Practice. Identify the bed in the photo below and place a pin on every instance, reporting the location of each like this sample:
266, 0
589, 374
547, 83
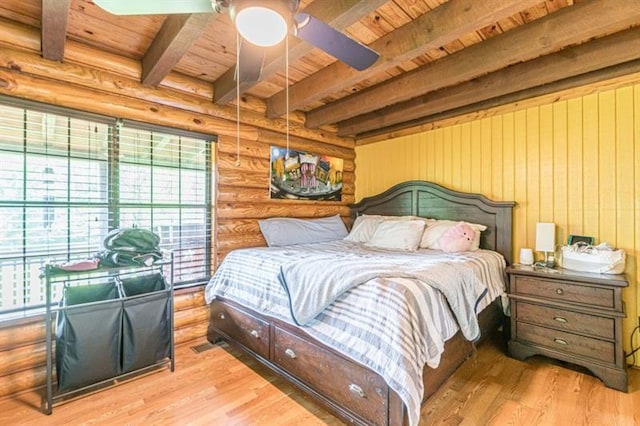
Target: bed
356, 390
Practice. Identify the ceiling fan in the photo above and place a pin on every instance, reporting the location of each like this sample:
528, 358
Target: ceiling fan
261, 23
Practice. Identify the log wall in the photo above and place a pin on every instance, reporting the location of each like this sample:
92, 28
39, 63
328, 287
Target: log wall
108, 84
243, 190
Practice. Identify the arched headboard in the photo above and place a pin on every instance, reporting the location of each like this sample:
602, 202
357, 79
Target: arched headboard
427, 199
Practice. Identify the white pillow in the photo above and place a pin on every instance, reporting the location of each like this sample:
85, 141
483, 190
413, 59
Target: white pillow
284, 231
363, 228
365, 225
434, 231
398, 234
425, 219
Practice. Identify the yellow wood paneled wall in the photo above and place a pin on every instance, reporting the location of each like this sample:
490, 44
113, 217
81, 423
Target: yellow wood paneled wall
573, 162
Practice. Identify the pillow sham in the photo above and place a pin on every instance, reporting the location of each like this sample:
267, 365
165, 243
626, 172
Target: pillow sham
398, 234
433, 233
424, 219
284, 231
363, 228
365, 225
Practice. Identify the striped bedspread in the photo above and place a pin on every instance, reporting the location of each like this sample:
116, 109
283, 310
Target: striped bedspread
393, 325
312, 284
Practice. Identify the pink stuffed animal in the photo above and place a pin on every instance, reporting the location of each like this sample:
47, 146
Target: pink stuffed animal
457, 238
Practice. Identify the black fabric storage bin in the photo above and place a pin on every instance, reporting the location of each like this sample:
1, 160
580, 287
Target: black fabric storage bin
145, 324
88, 335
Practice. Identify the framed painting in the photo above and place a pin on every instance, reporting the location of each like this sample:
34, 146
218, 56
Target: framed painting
573, 239
299, 175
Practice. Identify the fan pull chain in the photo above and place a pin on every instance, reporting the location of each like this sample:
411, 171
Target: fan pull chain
286, 64
237, 99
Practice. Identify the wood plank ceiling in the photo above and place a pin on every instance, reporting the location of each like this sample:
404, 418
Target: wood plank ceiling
438, 58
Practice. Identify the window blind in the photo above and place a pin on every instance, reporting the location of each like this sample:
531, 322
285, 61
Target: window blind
67, 179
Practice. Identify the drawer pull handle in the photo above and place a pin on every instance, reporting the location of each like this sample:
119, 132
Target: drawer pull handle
255, 334
357, 390
559, 291
221, 315
290, 353
560, 341
560, 319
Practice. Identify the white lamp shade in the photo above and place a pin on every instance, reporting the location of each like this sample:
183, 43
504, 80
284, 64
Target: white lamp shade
545, 236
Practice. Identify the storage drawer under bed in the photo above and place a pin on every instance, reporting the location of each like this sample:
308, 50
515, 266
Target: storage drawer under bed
356, 388
247, 330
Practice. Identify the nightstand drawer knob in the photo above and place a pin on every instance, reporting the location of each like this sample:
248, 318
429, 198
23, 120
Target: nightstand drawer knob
560, 319
560, 341
559, 291
255, 334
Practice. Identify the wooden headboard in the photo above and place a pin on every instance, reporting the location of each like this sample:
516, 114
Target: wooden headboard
426, 199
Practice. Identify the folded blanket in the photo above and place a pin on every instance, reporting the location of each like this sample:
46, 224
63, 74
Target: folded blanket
312, 284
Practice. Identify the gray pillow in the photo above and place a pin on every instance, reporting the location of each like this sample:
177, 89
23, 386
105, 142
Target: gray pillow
284, 231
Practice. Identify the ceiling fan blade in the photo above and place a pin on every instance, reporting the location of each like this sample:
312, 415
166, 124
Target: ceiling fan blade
249, 67
335, 43
155, 7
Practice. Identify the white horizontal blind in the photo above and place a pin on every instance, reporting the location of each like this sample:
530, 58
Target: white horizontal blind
164, 185
67, 180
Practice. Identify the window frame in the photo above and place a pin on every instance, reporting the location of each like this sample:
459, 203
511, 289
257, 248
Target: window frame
113, 205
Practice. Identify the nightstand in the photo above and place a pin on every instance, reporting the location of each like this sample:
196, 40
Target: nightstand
571, 316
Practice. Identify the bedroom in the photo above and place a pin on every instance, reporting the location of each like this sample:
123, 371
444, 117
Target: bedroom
564, 146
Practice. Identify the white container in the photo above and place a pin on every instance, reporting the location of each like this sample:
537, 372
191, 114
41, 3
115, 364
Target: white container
526, 256
592, 259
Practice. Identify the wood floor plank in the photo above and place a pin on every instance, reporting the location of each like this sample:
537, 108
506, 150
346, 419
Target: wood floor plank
222, 386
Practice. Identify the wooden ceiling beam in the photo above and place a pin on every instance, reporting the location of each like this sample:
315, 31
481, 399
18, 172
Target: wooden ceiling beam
337, 13
432, 30
585, 58
572, 25
583, 84
55, 15
177, 34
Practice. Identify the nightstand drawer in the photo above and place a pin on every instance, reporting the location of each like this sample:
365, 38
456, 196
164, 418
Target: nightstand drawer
565, 291
566, 320
566, 342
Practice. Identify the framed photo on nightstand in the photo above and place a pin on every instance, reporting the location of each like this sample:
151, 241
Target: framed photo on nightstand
580, 239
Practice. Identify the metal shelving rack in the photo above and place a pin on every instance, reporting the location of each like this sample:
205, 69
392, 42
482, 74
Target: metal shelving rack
54, 277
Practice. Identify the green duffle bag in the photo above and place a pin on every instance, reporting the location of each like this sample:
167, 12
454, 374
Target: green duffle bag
136, 240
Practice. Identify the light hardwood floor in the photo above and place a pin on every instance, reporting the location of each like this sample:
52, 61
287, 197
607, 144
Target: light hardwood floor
221, 386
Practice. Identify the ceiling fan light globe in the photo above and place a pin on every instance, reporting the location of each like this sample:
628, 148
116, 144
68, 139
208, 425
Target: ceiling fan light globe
261, 26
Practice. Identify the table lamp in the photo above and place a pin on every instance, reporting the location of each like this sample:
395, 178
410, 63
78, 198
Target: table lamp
546, 241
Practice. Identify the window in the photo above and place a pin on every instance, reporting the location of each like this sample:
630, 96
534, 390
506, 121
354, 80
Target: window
67, 179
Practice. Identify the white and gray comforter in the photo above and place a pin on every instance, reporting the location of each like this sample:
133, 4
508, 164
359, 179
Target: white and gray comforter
387, 310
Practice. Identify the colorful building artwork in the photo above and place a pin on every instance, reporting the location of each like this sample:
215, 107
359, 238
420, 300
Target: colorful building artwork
303, 175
